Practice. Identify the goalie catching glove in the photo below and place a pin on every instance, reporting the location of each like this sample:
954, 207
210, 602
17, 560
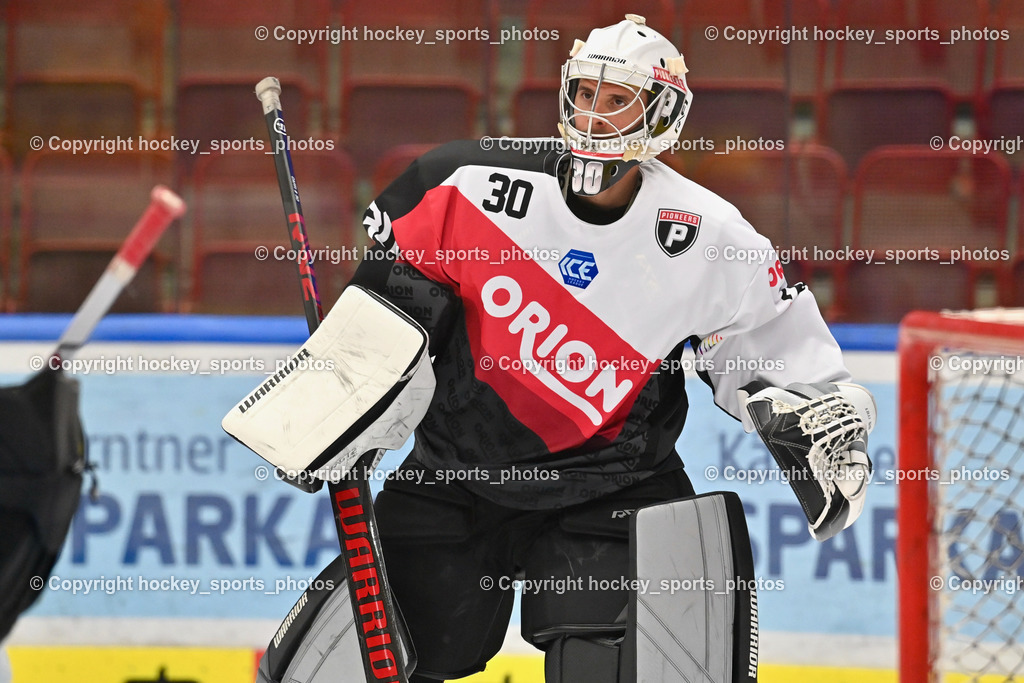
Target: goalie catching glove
818, 435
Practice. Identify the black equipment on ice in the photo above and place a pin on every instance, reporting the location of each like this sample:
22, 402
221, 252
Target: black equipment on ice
42, 460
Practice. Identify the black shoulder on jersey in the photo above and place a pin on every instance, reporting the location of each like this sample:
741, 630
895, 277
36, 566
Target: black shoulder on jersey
431, 169
439, 163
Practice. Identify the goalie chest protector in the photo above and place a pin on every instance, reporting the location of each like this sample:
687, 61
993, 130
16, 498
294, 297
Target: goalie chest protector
565, 350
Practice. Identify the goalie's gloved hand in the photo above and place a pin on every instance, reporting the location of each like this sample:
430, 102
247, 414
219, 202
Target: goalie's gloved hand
818, 434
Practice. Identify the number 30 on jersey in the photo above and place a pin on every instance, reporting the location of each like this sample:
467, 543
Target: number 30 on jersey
509, 196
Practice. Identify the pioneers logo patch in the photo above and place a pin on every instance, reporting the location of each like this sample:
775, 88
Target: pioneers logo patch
578, 268
667, 76
676, 231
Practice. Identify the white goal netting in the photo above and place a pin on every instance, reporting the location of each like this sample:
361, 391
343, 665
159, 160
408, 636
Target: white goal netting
976, 493
978, 430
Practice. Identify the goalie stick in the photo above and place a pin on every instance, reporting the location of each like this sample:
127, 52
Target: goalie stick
374, 610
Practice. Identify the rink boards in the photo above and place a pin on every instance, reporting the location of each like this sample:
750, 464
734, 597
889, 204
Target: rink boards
191, 546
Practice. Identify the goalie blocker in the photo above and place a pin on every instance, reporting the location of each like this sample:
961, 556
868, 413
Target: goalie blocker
361, 382
818, 435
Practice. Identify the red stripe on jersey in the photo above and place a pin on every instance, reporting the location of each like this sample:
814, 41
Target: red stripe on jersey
559, 368
416, 234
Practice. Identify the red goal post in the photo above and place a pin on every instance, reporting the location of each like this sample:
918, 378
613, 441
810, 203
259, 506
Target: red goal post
960, 387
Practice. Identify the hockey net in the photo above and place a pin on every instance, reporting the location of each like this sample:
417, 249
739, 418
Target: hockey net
960, 508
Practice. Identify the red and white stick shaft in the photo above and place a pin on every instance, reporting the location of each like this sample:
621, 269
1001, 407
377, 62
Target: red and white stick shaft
164, 207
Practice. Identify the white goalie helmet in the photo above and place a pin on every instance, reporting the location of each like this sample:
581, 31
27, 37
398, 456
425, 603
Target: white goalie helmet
632, 55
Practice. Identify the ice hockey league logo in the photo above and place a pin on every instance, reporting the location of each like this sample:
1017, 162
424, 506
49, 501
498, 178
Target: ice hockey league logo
676, 230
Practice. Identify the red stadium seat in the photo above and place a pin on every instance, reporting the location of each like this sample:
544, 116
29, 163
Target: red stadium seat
82, 70
219, 41
659, 15
935, 206
1003, 113
76, 211
794, 197
857, 119
740, 115
741, 91
6, 191
921, 57
384, 115
456, 40
1014, 291
542, 59
535, 109
1013, 285
572, 19
1004, 103
716, 57
225, 116
220, 60
237, 208
1009, 54
394, 163
423, 90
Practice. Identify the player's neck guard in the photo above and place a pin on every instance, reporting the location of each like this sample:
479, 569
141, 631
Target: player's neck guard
574, 167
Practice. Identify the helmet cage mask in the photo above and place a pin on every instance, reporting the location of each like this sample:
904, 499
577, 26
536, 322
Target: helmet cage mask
598, 160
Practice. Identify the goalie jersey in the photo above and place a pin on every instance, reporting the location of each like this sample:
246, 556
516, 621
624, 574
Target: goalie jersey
558, 344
